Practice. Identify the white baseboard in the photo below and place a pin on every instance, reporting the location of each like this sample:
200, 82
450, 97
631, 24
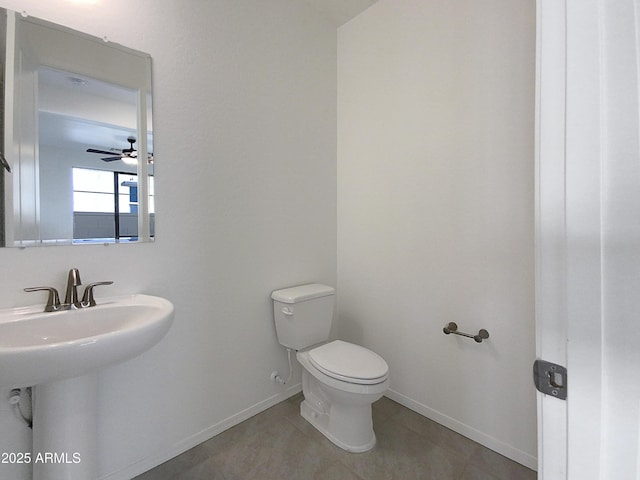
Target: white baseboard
488, 441
182, 446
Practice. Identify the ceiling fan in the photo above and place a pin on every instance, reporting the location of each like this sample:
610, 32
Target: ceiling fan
127, 155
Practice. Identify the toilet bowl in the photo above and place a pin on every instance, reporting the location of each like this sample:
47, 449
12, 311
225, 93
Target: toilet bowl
340, 381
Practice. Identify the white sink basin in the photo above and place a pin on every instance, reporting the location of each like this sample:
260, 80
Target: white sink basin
39, 347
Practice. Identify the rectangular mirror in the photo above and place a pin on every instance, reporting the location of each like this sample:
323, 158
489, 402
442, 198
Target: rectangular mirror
77, 138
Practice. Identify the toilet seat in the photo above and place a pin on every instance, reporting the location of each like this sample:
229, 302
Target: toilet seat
349, 363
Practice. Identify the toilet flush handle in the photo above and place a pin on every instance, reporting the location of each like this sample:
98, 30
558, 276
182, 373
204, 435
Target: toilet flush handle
287, 311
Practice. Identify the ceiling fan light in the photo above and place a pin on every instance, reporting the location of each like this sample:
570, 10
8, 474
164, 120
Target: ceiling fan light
129, 160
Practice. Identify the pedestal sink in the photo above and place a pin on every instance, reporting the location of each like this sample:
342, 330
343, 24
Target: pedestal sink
59, 354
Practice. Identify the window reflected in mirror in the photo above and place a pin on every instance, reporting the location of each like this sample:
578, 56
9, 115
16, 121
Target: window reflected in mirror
105, 206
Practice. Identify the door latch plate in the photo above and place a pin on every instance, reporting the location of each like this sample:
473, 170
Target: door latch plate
550, 378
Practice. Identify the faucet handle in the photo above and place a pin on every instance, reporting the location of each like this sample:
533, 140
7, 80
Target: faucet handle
53, 302
87, 296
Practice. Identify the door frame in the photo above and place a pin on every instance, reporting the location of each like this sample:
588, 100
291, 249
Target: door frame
569, 277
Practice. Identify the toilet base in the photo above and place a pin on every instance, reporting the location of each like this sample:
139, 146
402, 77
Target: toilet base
321, 421
340, 410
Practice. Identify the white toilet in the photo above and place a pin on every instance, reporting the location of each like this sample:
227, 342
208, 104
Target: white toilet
340, 380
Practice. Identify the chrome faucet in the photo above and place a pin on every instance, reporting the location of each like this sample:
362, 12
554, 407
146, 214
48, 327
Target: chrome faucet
71, 301
71, 295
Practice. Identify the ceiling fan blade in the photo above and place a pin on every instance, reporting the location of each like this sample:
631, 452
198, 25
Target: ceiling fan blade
103, 152
111, 159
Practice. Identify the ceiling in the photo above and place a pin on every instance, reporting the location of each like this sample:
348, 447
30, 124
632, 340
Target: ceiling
340, 11
79, 112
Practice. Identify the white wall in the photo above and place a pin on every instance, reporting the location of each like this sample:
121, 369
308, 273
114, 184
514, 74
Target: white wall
435, 220
435, 208
244, 142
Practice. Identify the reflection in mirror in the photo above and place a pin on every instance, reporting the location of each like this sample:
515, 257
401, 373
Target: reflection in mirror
76, 107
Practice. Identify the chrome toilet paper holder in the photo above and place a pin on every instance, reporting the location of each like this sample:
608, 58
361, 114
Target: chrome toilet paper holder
452, 327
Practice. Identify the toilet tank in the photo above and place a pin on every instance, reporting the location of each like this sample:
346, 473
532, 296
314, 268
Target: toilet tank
303, 314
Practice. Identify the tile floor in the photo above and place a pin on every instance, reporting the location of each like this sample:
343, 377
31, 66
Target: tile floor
278, 444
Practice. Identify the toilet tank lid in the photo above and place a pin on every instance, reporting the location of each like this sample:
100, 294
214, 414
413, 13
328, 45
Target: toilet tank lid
302, 293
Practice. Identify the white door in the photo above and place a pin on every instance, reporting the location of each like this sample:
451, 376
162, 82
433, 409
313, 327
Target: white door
588, 236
